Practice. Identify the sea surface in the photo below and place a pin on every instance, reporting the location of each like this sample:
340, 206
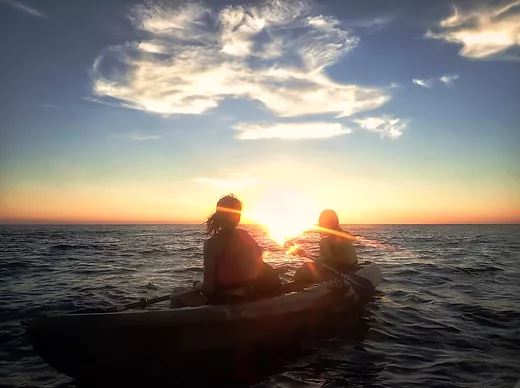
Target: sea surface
446, 315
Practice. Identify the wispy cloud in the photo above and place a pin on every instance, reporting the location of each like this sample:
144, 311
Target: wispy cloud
274, 52
483, 31
24, 8
448, 79
49, 106
291, 131
386, 126
370, 25
137, 136
425, 83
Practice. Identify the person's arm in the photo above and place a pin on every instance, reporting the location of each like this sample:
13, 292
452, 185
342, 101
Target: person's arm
210, 268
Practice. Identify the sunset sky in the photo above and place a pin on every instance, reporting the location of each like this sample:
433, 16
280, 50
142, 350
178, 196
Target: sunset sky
386, 111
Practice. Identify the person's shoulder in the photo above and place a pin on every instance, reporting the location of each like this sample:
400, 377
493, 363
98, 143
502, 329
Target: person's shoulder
245, 236
325, 240
243, 233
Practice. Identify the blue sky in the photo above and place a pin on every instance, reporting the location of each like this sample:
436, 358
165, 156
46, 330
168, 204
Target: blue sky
192, 100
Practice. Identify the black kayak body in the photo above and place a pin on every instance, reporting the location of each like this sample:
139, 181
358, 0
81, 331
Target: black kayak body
99, 346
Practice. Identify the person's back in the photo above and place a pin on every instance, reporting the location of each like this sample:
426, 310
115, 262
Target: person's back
238, 258
338, 252
336, 248
233, 265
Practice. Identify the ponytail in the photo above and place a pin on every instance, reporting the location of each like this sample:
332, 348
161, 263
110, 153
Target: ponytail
227, 216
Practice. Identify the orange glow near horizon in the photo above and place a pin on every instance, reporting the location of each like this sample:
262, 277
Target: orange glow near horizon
285, 196
284, 214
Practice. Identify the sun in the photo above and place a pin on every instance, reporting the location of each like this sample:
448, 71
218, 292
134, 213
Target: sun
285, 214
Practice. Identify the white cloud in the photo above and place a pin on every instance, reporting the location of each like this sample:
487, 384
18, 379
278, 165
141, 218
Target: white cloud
386, 126
448, 79
425, 83
139, 137
483, 31
274, 52
24, 8
292, 131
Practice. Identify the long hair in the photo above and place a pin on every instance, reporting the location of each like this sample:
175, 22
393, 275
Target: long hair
329, 219
226, 217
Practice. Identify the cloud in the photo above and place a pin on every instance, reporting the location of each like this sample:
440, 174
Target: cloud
429, 83
24, 8
448, 79
370, 25
49, 106
137, 136
423, 83
386, 126
274, 52
292, 131
484, 32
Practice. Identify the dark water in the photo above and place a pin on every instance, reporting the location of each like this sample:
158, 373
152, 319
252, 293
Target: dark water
448, 313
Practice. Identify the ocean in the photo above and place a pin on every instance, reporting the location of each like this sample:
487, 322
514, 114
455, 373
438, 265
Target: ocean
446, 315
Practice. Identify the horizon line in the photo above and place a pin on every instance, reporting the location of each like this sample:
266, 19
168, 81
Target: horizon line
245, 223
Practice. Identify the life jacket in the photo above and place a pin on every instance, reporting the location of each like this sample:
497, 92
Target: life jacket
239, 262
341, 254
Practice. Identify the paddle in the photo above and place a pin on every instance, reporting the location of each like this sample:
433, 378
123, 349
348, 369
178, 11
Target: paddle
301, 253
143, 302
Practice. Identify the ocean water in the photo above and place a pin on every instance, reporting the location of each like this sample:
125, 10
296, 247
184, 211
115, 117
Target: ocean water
446, 315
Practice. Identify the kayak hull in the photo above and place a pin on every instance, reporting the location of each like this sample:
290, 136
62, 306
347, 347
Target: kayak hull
217, 338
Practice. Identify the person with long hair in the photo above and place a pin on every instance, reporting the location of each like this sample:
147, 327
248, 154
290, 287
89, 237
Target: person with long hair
336, 251
233, 266
336, 248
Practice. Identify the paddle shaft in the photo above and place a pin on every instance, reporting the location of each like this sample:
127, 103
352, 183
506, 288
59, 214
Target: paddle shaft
333, 270
142, 303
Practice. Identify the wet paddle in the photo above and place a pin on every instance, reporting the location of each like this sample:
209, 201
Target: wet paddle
301, 253
143, 302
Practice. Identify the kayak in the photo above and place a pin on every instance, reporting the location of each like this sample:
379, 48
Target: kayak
207, 338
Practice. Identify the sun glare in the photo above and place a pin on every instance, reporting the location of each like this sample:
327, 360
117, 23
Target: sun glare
284, 215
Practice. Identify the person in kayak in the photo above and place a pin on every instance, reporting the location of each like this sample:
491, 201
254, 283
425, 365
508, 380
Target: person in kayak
336, 251
233, 266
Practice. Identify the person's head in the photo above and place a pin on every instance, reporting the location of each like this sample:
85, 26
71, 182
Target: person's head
226, 217
329, 219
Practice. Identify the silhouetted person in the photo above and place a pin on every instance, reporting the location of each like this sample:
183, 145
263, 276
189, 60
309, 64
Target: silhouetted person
336, 250
234, 270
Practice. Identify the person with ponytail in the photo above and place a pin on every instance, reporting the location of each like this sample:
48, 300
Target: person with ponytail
233, 266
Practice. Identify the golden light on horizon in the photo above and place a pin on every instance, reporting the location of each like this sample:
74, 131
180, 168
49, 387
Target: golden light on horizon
284, 214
